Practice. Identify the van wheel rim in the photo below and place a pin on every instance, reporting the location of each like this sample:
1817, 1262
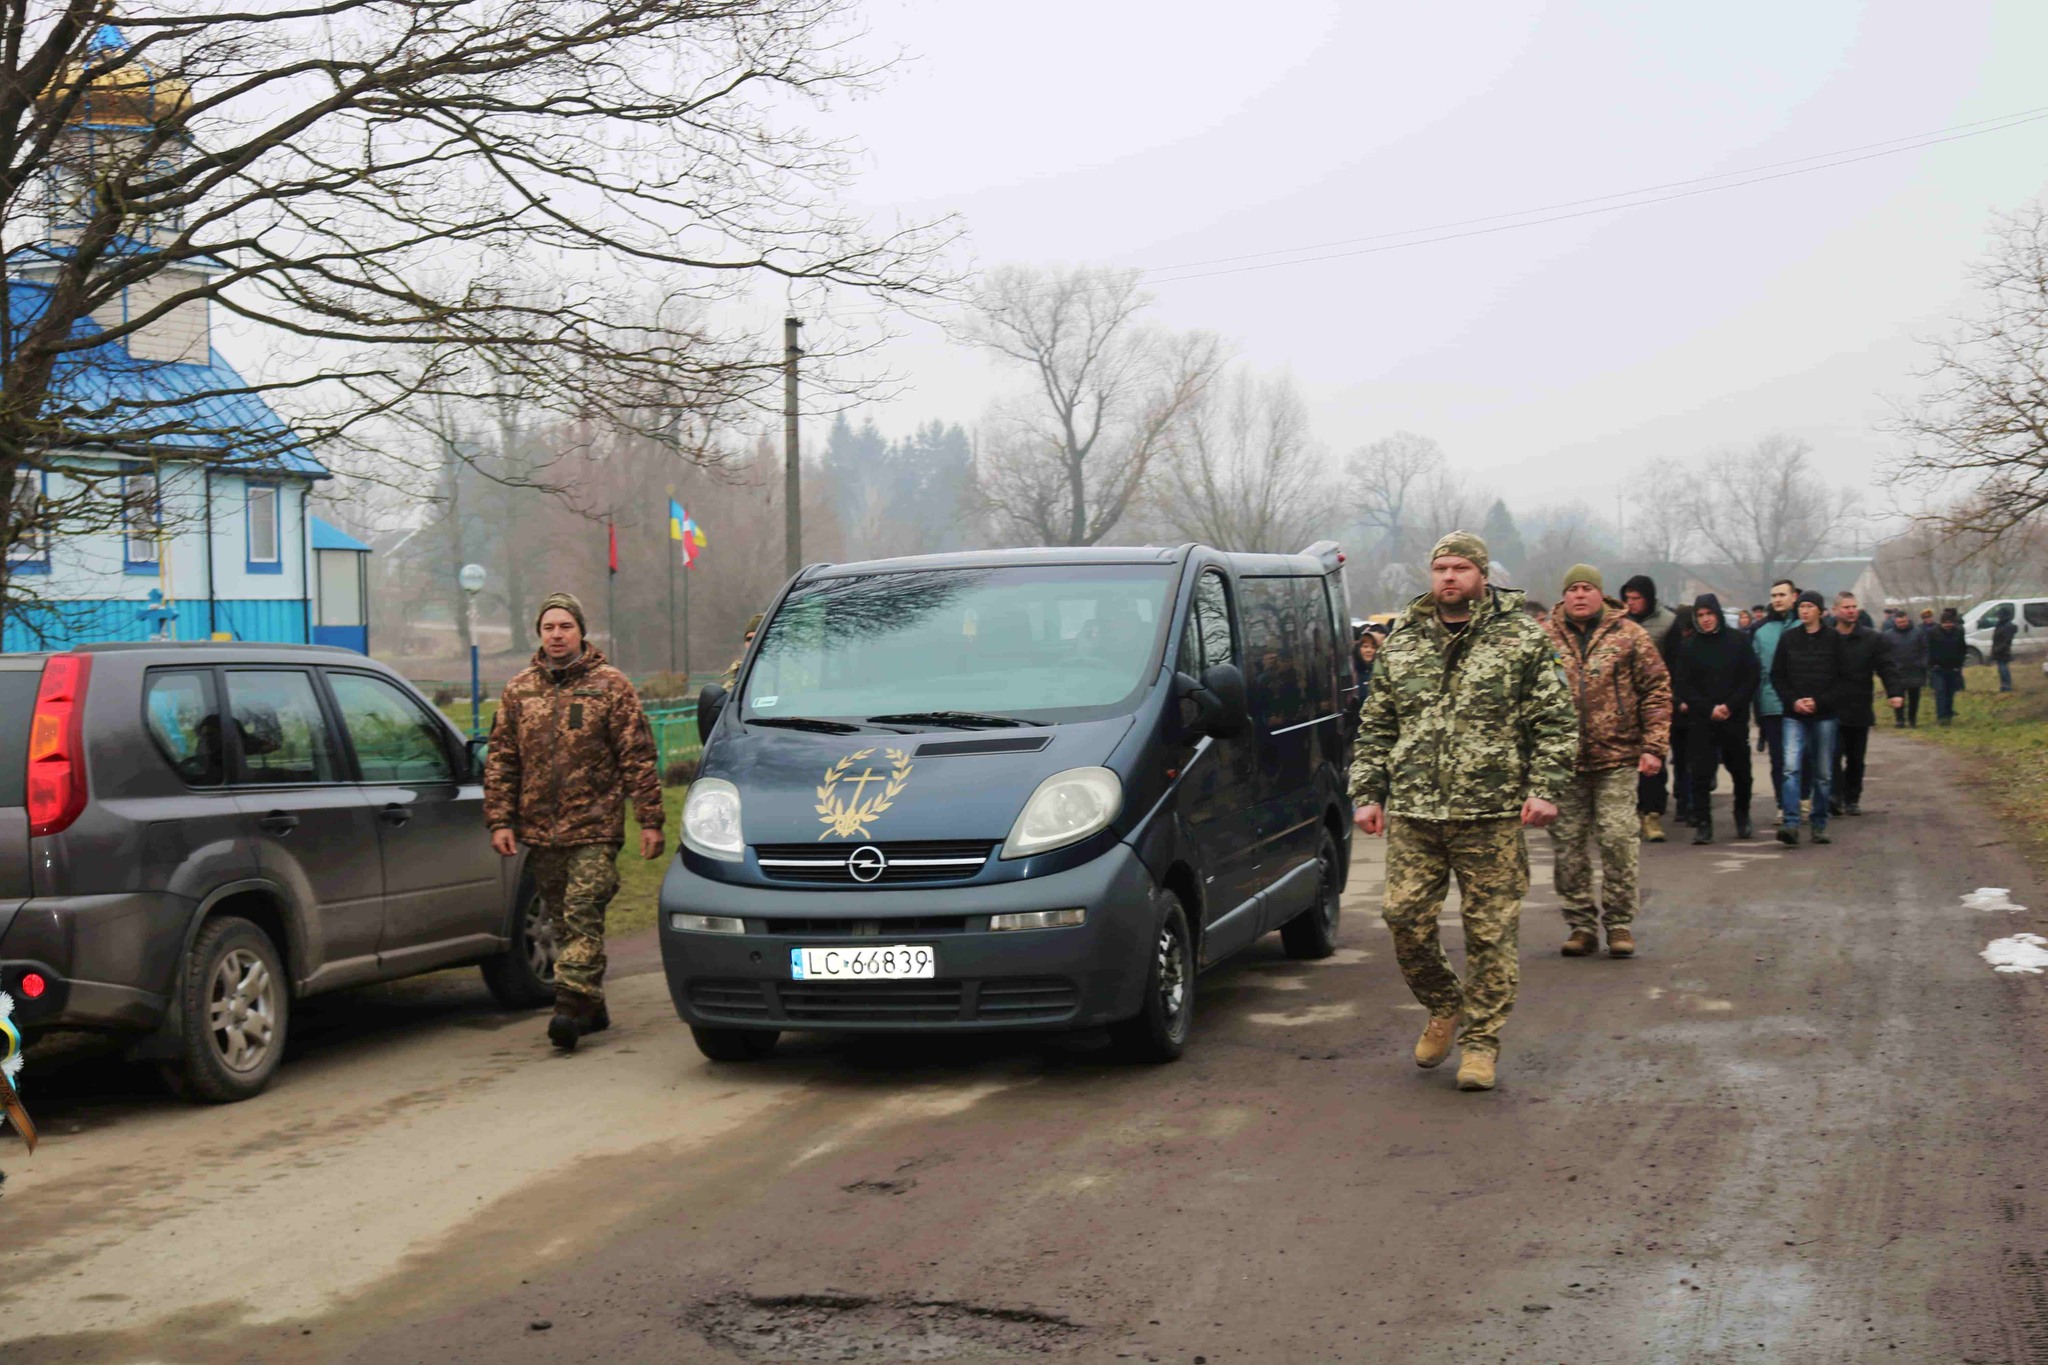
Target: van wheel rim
541, 948
1331, 898
1173, 975
242, 1010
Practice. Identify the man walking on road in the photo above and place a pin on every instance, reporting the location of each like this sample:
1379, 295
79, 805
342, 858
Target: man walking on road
1866, 657
1713, 677
1908, 646
1770, 711
569, 745
1467, 736
1947, 652
1808, 671
1622, 693
2001, 646
1653, 789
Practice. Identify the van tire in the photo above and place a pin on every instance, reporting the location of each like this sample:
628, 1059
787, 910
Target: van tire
1312, 935
226, 948
523, 976
1159, 1031
1973, 656
734, 1044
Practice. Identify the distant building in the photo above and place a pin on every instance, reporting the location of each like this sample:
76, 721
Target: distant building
215, 537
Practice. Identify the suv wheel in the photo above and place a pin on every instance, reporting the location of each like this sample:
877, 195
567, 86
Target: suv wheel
235, 1006
1312, 934
523, 976
1159, 1031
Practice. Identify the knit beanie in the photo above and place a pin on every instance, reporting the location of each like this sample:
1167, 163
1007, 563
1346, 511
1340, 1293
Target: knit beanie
1811, 596
1583, 573
567, 602
1465, 545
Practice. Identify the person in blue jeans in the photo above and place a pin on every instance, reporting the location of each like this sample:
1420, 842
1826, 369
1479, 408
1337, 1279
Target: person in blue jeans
1809, 671
1947, 651
2001, 646
1770, 711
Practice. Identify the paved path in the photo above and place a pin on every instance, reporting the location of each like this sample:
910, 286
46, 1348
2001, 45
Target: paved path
1806, 1125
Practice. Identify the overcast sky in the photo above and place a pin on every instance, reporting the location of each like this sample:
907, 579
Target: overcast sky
1545, 358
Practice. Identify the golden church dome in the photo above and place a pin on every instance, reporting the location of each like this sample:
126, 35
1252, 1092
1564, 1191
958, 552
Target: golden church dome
134, 94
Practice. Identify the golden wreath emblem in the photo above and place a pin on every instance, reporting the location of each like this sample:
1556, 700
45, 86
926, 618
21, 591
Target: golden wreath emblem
848, 816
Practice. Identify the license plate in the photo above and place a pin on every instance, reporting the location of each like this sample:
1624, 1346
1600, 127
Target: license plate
894, 962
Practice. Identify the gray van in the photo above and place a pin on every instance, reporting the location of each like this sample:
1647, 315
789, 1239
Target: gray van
1014, 790
192, 836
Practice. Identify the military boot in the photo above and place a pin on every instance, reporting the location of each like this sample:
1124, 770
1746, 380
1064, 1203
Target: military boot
1580, 943
1743, 829
1653, 827
1621, 942
600, 1020
1435, 1043
1475, 1070
575, 1012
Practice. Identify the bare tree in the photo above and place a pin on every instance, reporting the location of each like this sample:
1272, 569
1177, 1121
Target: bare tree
1384, 480
1064, 466
1660, 525
1559, 537
1984, 418
1245, 472
504, 186
1935, 561
1764, 510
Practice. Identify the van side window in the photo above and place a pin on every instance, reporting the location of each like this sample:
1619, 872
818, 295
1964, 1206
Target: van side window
1275, 651
1207, 641
184, 720
2037, 613
394, 739
283, 732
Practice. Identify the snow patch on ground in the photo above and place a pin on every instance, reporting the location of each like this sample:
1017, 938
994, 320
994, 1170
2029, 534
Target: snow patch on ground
1991, 898
2025, 953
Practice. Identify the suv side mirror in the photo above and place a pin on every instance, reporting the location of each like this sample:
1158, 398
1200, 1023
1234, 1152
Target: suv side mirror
478, 750
1217, 702
710, 702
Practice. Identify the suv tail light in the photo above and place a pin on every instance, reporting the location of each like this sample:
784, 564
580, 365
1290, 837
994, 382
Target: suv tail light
56, 745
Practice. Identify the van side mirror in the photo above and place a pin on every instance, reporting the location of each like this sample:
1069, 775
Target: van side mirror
478, 750
1214, 705
710, 702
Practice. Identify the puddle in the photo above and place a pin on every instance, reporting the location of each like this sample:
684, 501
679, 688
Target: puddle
1991, 898
2025, 954
830, 1327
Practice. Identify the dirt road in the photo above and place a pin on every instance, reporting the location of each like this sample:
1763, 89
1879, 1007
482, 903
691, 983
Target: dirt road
1807, 1124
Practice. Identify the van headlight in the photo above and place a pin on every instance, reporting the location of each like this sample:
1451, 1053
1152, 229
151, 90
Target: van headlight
711, 820
1066, 808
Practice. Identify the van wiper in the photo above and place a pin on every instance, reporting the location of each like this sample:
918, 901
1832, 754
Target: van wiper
963, 720
814, 723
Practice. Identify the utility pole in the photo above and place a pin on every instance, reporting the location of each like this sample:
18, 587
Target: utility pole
792, 473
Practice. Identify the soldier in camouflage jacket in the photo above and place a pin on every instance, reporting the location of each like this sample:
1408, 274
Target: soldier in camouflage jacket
569, 745
1468, 734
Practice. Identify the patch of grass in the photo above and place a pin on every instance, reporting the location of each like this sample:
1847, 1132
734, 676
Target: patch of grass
2004, 737
640, 880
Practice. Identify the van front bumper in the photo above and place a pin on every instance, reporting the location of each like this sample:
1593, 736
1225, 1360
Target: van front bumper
987, 981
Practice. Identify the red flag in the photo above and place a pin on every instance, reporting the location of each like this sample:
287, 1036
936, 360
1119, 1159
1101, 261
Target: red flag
611, 535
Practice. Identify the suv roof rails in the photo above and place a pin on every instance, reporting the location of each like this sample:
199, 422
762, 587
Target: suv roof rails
1327, 553
118, 646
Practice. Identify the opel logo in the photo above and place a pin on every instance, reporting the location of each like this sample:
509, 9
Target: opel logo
866, 863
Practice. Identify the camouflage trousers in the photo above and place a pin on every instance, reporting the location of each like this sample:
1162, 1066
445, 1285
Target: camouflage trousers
1491, 862
576, 885
1598, 812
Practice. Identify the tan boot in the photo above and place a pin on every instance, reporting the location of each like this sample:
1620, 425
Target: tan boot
1475, 1071
1621, 942
1580, 943
1435, 1043
1653, 827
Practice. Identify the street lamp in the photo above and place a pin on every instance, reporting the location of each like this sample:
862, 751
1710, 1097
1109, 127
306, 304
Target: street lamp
472, 580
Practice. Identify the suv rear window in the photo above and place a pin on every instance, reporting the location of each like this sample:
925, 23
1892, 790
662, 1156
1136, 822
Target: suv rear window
17, 708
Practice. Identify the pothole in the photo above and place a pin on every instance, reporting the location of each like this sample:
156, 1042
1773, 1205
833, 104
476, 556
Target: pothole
800, 1328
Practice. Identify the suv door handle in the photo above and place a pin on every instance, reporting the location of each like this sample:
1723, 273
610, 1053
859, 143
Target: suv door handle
394, 814
278, 822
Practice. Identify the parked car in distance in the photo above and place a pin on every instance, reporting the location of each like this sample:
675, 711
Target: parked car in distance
2029, 619
1014, 790
194, 836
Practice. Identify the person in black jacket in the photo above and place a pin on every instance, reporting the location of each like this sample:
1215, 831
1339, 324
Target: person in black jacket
1868, 657
1946, 652
2001, 646
1713, 679
1809, 672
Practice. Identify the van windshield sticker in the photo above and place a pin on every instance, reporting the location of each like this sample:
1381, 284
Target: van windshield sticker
765, 703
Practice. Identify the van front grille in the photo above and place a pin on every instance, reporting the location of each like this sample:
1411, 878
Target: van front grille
897, 864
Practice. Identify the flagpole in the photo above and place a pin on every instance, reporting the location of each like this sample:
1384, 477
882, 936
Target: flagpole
611, 577
672, 591
686, 628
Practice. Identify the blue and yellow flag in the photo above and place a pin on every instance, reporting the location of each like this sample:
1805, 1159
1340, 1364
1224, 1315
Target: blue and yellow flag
682, 528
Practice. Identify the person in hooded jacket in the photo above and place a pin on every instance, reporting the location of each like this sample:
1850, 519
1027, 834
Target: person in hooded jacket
1908, 646
2002, 636
1810, 673
1713, 680
1654, 790
1947, 651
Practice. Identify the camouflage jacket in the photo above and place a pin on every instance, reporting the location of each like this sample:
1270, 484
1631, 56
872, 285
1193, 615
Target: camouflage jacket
1619, 684
1465, 727
568, 746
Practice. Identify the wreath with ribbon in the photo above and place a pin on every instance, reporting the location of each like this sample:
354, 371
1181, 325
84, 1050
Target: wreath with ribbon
847, 817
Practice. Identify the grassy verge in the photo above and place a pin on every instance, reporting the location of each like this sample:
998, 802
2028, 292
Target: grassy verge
2004, 736
639, 879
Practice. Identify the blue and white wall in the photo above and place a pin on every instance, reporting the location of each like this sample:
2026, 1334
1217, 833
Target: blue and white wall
95, 586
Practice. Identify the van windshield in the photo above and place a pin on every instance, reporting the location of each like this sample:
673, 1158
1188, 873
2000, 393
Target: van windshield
1040, 643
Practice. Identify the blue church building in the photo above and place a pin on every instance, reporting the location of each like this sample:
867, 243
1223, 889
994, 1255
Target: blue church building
215, 537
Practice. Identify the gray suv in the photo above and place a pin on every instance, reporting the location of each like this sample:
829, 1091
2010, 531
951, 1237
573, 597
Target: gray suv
192, 836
